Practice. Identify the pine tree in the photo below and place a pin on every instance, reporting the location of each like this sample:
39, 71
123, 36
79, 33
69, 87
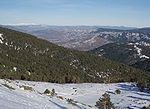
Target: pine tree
104, 102
53, 92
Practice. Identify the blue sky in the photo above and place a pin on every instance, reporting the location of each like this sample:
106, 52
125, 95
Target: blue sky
134, 13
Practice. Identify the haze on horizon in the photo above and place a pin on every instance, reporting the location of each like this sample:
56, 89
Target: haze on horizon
133, 13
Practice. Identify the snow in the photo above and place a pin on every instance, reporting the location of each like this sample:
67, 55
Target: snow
29, 73
139, 50
130, 43
15, 69
85, 95
144, 56
92, 40
6, 44
52, 55
1, 38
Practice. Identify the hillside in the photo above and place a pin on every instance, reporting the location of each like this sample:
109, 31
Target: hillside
133, 54
130, 47
30, 95
26, 57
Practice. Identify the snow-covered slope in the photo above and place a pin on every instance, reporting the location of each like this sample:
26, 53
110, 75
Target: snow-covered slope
84, 96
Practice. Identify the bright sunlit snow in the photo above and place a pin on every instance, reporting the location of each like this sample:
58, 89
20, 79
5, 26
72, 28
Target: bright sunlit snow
85, 95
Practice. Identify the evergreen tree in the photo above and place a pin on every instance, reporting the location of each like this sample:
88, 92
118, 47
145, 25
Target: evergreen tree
53, 92
104, 102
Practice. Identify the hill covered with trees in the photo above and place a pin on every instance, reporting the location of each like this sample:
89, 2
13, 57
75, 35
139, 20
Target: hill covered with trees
23, 56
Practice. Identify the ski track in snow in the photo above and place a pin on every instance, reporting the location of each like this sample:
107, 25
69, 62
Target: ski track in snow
85, 95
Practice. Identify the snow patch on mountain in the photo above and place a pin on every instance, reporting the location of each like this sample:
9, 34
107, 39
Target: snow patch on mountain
144, 56
139, 50
92, 40
1, 38
15, 69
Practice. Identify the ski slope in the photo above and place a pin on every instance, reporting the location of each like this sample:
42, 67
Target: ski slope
84, 96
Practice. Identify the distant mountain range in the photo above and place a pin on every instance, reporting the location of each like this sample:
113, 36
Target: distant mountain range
23, 56
75, 37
